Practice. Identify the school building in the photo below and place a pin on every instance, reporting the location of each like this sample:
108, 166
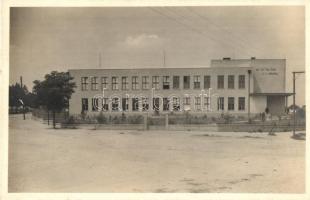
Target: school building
236, 86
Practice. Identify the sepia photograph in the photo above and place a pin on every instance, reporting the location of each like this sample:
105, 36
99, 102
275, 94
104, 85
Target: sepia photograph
157, 99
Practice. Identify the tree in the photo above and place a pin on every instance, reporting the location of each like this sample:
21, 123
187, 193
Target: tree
54, 92
17, 93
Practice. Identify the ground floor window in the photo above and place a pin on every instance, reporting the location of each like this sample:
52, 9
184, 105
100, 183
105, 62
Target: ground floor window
125, 104
165, 104
220, 103
197, 103
84, 104
206, 102
156, 104
241, 103
95, 104
176, 103
135, 104
187, 101
105, 104
115, 104
231, 103
145, 104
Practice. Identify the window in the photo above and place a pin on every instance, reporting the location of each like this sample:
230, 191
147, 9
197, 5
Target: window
166, 83
114, 83
176, 82
135, 82
104, 83
84, 82
241, 81
241, 103
125, 104
84, 104
105, 104
145, 82
231, 103
115, 104
198, 103
220, 82
165, 104
125, 83
207, 82
196, 82
145, 104
187, 101
206, 102
155, 82
135, 104
220, 103
156, 104
231, 82
95, 104
186, 82
94, 83
176, 103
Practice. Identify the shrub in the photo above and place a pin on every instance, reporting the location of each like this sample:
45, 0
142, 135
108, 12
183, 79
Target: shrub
101, 119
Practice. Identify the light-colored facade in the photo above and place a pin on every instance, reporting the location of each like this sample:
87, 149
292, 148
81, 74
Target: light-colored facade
227, 86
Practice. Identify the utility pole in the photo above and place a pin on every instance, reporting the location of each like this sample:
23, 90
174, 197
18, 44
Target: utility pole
21, 85
249, 91
164, 59
294, 102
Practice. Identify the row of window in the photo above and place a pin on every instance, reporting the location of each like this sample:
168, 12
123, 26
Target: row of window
123, 103
154, 82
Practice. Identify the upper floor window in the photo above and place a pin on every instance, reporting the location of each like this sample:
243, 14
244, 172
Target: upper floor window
176, 82
241, 81
114, 83
166, 83
84, 83
135, 82
231, 82
186, 82
196, 82
207, 82
94, 83
220, 82
145, 82
155, 82
125, 83
104, 83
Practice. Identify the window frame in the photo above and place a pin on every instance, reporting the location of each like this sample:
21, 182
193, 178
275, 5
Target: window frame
114, 83
220, 82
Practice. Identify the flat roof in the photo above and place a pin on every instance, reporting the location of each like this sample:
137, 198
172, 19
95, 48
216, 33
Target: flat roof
160, 68
272, 94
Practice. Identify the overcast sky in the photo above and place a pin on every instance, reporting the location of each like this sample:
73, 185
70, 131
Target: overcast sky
46, 39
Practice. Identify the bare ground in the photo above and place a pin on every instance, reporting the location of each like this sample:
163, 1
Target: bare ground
42, 159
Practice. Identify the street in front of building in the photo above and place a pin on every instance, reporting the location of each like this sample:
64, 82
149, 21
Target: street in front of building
43, 159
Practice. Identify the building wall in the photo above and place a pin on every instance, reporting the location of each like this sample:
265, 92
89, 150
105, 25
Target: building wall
75, 101
261, 81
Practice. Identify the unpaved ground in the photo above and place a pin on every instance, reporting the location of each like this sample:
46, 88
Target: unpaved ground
45, 160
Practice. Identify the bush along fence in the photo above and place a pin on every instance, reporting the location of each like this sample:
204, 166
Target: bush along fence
187, 122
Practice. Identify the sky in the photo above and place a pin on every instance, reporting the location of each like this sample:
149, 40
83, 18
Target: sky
47, 39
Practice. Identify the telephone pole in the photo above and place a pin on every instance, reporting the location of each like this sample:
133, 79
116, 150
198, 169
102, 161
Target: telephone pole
21, 85
294, 102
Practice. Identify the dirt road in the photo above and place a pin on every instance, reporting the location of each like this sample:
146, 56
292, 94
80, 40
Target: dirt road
45, 160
